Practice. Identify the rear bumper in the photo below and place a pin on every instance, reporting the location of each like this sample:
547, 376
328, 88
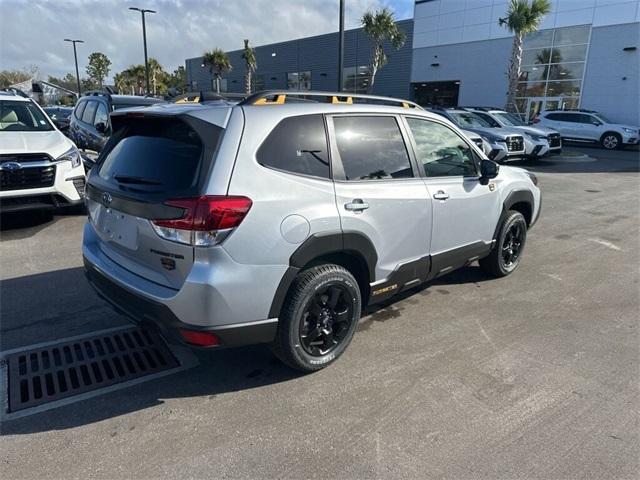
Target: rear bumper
145, 311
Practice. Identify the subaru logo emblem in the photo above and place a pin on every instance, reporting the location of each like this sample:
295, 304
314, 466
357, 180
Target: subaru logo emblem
106, 198
11, 166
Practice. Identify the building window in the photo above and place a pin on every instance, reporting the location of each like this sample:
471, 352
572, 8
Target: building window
258, 83
553, 63
299, 80
356, 79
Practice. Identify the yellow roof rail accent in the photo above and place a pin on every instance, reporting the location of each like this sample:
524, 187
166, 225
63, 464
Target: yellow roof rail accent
280, 99
336, 99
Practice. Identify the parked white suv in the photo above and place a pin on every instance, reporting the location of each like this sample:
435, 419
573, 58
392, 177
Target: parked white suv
589, 126
40, 168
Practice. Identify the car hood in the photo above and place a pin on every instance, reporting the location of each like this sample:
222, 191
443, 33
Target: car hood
537, 130
502, 133
52, 143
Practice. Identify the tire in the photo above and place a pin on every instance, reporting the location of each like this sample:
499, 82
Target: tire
504, 258
311, 333
611, 141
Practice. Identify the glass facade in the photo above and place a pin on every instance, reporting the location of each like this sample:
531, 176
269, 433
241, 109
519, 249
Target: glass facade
553, 63
299, 80
356, 79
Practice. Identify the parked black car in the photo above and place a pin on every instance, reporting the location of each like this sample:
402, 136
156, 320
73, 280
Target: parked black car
90, 125
60, 116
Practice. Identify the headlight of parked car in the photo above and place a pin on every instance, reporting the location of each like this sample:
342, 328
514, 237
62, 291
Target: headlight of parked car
533, 178
72, 155
629, 130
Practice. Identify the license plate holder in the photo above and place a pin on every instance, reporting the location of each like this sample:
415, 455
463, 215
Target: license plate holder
119, 228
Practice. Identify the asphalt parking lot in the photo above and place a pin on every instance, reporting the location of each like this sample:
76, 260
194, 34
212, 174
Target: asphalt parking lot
531, 376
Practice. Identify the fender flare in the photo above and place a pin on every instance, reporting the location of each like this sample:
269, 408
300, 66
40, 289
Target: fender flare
515, 196
318, 245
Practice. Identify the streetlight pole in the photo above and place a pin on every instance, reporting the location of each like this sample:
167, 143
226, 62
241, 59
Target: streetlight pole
341, 48
144, 40
75, 57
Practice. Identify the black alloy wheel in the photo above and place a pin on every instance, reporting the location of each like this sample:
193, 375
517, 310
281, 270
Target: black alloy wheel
512, 244
326, 319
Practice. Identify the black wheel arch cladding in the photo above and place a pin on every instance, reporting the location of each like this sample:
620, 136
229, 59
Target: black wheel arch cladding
318, 245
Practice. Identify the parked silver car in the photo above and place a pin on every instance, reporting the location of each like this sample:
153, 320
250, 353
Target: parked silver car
505, 144
543, 140
276, 221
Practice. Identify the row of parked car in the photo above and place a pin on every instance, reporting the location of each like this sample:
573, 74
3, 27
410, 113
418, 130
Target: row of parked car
29, 138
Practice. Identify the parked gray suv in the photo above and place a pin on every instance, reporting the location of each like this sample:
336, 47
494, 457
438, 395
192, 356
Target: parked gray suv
278, 218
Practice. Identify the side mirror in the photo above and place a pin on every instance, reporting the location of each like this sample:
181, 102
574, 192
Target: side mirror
102, 127
596, 123
488, 170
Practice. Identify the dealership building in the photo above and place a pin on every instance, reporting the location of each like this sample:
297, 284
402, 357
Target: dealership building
585, 55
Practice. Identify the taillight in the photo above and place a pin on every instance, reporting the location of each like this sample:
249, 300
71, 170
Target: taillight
206, 221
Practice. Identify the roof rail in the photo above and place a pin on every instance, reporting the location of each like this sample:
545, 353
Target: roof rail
279, 97
205, 96
482, 109
90, 93
15, 91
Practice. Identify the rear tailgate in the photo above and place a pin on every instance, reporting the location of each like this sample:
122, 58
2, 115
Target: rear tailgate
150, 160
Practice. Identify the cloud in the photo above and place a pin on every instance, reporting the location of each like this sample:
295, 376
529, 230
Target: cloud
32, 33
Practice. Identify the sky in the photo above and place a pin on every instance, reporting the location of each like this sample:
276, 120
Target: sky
32, 31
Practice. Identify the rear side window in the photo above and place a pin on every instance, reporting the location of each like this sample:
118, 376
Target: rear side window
102, 116
297, 145
371, 148
156, 154
80, 110
89, 112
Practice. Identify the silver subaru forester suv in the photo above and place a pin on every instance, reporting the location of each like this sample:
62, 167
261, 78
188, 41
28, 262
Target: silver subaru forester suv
278, 218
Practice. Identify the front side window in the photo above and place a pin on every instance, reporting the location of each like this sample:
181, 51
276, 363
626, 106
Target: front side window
17, 116
489, 119
442, 152
371, 148
297, 145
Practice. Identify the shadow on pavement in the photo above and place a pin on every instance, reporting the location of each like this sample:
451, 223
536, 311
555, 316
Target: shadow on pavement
21, 225
219, 372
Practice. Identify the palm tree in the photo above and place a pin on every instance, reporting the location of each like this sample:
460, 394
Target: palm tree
523, 17
218, 63
380, 26
250, 65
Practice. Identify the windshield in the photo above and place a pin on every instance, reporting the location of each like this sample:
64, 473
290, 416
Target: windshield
510, 119
17, 116
468, 119
601, 117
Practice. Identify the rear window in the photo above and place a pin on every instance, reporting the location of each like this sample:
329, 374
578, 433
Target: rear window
79, 110
159, 154
89, 112
297, 145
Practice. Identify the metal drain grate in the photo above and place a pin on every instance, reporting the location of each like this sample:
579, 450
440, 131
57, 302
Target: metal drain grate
58, 371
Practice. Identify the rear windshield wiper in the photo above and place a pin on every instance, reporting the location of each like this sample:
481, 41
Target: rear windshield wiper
135, 180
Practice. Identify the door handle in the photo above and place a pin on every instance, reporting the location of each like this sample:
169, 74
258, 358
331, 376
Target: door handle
356, 205
440, 195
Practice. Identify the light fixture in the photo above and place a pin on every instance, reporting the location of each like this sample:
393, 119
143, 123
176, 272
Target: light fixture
273, 54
